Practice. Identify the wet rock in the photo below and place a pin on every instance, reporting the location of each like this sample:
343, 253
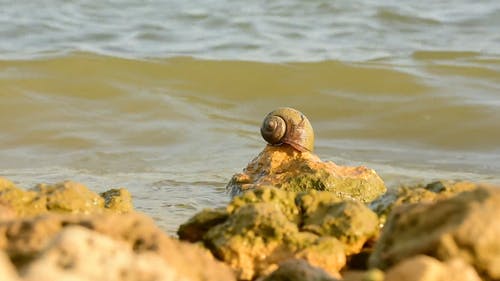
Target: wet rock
285, 200
424, 268
256, 237
431, 192
82, 254
69, 197
24, 203
288, 169
7, 270
266, 226
463, 226
117, 200
194, 229
64, 197
298, 270
349, 221
24, 239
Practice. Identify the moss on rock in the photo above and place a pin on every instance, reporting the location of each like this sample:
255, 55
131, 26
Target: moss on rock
288, 169
63, 197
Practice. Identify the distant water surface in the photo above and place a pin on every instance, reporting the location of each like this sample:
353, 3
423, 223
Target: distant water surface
166, 97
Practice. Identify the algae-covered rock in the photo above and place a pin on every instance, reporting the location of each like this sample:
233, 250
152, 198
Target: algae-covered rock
70, 196
298, 270
265, 226
256, 237
118, 200
282, 198
424, 268
64, 197
194, 229
288, 169
309, 202
463, 226
349, 221
22, 202
431, 192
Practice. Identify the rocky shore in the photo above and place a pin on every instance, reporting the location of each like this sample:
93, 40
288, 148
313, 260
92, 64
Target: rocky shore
292, 217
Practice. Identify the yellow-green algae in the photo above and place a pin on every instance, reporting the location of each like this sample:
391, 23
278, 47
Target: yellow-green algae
431, 192
265, 226
64, 197
464, 226
362, 189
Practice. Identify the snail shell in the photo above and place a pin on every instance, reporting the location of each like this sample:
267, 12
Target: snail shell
290, 126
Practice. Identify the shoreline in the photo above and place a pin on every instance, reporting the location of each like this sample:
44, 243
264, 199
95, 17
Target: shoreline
56, 217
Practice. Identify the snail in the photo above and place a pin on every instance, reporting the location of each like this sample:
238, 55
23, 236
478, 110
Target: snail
290, 126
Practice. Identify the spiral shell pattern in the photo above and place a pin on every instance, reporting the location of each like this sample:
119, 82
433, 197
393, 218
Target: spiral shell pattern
290, 126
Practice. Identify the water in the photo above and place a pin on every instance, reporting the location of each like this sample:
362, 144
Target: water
165, 98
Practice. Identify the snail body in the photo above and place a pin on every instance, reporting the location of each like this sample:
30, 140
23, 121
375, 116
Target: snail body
290, 126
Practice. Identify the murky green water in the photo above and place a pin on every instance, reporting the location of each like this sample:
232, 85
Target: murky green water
166, 97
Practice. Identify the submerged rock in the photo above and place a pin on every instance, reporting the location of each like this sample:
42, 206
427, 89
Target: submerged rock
463, 226
286, 168
64, 197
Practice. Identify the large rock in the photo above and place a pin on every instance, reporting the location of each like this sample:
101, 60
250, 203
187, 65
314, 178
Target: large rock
258, 236
349, 221
64, 197
77, 253
69, 197
422, 193
266, 226
25, 239
464, 226
288, 169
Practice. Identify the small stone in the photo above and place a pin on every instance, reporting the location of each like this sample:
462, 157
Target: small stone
118, 200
